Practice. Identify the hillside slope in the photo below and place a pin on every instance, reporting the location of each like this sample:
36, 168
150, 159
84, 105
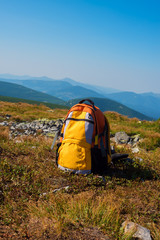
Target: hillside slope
41, 202
148, 104
21, 100
99, 89
61, 89
67, 89
111, 105
15, 90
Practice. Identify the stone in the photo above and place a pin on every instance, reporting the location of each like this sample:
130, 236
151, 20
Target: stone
18, 141
32, 128
112, 150
53, 128
45, 130
136, 139
135, 150
139, 159
138, 231
8, 116
121, 138
59, 189
4, 123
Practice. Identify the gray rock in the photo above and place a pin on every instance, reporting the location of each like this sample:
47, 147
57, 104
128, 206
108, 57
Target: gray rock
139, 159
18, 141
112, 150
8, 116
53, 128
46, 130
62, 188
43, 194
31, 128
136, 139
4, 123
137, 230
121, 138
135, 150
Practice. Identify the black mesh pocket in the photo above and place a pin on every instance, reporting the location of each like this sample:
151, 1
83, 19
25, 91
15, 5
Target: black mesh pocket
57, 154
99, 163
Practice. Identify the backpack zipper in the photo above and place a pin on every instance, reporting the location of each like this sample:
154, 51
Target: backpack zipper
78, 119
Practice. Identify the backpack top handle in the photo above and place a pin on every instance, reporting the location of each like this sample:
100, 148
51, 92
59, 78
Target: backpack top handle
88, 100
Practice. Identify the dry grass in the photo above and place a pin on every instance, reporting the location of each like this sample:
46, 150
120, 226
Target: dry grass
83, 209
28, 177
28, 112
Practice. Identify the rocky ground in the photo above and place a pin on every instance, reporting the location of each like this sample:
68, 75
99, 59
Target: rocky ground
50, 127
44, 127
41, 202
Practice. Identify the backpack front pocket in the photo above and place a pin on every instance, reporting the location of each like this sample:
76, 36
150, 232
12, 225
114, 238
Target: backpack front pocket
74, 155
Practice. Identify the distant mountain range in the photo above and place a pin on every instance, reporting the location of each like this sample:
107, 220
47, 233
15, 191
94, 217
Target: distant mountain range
103, 104
109, 105
66, 89
16, 90
147, 103
98, 89
60, 89
10, 92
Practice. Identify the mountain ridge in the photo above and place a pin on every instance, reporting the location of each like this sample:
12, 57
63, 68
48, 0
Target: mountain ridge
15, 90
148, 104
60, 89
99, 89
67, 89
110, 105
21, 100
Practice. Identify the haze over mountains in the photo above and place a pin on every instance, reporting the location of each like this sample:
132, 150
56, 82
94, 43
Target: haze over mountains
66, 89
60, 89
16, 90
148, 103
13, 89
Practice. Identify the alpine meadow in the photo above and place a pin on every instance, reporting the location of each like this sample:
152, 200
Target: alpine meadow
80, 120
39, 201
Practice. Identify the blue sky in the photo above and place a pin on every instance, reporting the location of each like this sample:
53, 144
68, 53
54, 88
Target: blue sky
112, 43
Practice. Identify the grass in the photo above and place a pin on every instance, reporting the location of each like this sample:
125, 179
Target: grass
27, 112
149, 131
30, 209
20, 100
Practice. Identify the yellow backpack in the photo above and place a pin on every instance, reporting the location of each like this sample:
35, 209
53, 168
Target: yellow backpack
85, 140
